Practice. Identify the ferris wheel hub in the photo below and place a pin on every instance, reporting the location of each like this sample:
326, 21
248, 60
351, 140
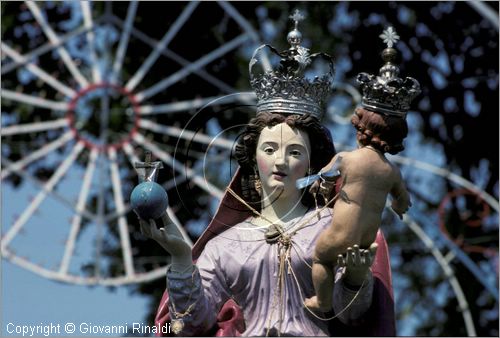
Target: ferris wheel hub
103, 116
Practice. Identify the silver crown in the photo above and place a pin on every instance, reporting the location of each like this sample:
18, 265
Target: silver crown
387, 93
286, 90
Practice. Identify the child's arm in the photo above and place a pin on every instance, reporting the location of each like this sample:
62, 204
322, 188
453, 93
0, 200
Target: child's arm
400, 196
331, 169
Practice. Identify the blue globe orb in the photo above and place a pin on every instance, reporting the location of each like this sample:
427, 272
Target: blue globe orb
149, 200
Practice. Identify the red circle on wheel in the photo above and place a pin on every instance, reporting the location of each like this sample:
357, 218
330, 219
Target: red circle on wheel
86, 141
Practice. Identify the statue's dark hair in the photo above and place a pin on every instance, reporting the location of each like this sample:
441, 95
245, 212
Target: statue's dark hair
383, 132
322, 150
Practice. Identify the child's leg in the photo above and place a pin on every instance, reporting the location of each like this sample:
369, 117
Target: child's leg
322, 275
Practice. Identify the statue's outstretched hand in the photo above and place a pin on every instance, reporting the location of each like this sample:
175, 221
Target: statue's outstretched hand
170, 238
357, 263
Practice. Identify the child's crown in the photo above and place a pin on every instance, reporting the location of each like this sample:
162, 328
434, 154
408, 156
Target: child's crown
387, 93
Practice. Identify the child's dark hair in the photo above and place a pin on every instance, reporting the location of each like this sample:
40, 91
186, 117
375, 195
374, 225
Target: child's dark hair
322, 149
383, 132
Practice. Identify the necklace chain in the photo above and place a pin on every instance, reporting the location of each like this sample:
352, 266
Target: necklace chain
235, 195
285, 245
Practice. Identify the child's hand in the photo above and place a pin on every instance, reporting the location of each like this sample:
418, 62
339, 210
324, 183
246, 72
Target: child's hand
324, 188
326, 184
399, 208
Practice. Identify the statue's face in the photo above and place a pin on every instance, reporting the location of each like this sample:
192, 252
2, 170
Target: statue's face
282, 157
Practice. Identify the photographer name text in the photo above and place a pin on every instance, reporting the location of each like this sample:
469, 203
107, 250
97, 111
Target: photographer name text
51, 329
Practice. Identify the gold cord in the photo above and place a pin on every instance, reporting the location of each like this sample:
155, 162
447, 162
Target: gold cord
284, 258
179, 315
336, 315
303, 224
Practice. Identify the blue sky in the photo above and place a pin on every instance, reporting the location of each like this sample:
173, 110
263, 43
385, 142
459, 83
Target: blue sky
29, 299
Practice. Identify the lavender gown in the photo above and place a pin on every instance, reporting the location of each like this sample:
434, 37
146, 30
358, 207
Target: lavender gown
239, 264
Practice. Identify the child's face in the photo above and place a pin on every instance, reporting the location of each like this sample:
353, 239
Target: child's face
282, 157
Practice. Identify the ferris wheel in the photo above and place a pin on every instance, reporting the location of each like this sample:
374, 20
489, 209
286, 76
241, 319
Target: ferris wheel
89, 89
94, 114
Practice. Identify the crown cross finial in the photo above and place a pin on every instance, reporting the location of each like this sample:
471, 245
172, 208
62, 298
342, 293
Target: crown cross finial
387, 93
294, 38
389, 36
297, 17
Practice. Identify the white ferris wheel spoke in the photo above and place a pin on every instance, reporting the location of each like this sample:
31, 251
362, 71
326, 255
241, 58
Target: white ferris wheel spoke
169, 35
132, 157
168, 184
87, 21
34, 127
47, 148
122, 220
174, 107
37, 71
167, 159
228, 8
449, 175
175, 220
448, 271
224, 87
78, 280
33, 100
125, 35
456, 252
48, 186
179, 179
173, 56
53, 193
77, 218
201, 62
47, 47
52, 36
186, 134
41, 271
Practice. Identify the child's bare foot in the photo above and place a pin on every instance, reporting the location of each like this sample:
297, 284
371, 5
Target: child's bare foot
313, 304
